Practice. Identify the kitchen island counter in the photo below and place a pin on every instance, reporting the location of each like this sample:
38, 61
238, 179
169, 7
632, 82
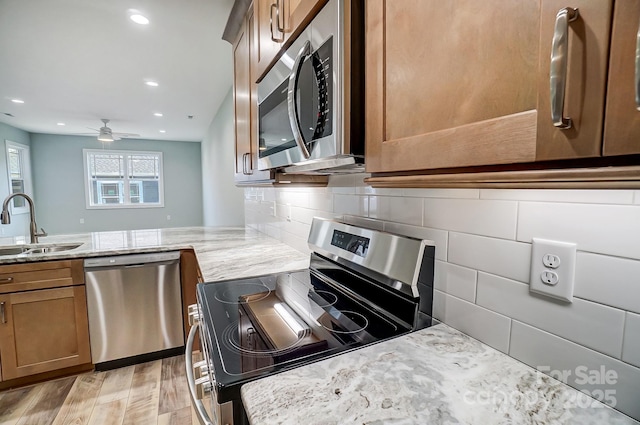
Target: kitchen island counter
222, 252
434, 376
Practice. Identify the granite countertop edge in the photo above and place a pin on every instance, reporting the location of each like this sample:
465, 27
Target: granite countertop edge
437, 375
222, 252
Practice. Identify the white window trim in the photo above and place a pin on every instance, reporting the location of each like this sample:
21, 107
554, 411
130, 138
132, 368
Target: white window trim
28, 180
87, 188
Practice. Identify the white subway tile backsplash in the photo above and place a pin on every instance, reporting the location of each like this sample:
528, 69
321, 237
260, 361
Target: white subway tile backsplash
608, 280
497, 256
343, 183
321, 200
590, 324
560, 195
301, 230
480, 217
368, 190
636, 198
455, 280
604, 229
631, 343
440, 237
559, 357
442, 193
273, 231
296, 242
403, 210
293, 197
363, 222
351, 204
484, 325
306, 215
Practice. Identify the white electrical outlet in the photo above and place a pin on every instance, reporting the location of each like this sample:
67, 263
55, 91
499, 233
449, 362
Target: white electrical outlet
553, 268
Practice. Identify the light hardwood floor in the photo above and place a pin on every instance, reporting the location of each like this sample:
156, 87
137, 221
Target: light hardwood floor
148, 393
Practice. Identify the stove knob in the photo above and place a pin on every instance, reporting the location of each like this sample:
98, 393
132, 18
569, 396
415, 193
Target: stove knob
194, 314
203, 387
200, 371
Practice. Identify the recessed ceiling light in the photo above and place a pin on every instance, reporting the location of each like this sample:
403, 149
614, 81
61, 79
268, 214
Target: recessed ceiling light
157, 114
61, 123
17, 100
151, 83
163, 131
139, 19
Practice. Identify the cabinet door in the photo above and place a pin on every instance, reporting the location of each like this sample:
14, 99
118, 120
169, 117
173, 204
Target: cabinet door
622, 116
242, 104
246, 105
298, 14
43, 330
269, 26
584, 94
450, 84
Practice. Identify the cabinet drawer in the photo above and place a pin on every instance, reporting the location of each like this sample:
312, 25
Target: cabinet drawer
40, 275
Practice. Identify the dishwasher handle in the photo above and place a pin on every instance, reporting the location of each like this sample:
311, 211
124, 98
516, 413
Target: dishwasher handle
120, 261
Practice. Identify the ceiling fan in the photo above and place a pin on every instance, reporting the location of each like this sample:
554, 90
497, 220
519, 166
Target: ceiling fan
106, 135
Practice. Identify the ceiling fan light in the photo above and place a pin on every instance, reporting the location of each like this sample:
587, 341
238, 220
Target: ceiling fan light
105, 136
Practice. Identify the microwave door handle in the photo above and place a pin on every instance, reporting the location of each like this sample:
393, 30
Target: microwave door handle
291, 98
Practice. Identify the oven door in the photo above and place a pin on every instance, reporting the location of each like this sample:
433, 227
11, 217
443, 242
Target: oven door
201, 380
296, 116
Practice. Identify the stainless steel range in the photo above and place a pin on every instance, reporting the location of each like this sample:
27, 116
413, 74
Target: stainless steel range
362, 286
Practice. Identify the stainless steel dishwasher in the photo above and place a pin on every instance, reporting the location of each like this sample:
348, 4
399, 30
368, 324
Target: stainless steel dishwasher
135, 308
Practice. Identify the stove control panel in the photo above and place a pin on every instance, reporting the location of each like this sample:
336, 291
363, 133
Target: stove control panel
358, 245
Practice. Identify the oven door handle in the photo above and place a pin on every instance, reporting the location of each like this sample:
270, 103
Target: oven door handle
291, 98
203, 416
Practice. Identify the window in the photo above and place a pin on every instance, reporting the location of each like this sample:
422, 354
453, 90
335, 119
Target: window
123, 179
19, 174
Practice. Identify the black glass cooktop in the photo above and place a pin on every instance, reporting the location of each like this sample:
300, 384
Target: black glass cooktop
265, 324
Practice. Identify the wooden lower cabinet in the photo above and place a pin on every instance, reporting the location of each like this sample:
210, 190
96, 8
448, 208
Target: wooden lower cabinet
43, 330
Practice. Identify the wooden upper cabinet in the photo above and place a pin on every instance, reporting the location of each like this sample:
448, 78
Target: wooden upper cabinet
450, 84
246, 104
585, 52
267, 26
277, 22
622, 114
242, 103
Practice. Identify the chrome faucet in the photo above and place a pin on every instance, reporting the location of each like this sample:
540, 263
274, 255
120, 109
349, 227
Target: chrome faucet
5, 218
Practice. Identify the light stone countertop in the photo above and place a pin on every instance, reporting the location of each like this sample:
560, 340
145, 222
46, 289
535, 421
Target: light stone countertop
434, 376
222, 252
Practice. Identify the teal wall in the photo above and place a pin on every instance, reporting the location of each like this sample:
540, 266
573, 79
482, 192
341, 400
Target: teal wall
57, 166
223, 202
19, 222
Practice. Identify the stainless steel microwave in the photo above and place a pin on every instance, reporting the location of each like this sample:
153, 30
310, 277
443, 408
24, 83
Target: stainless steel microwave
311, 102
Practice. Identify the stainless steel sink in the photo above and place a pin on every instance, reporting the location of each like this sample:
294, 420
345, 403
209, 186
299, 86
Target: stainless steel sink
11, 250
37, 249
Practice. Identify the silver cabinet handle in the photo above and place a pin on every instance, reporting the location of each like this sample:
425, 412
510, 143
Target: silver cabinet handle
246, 165
203, 416
280, 7
638, 69
291, 98
2, 312
276, 6
559, 59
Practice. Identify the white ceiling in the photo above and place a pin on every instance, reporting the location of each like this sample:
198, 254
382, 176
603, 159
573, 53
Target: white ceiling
77, 61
